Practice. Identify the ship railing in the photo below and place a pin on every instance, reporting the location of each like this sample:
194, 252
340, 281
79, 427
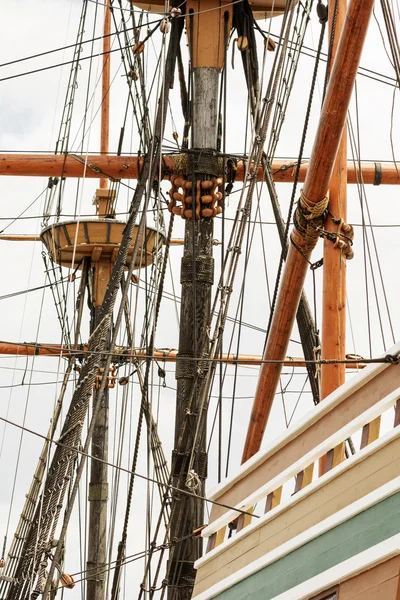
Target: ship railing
307, 453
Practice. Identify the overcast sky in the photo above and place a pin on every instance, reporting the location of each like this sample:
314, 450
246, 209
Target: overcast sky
30, 114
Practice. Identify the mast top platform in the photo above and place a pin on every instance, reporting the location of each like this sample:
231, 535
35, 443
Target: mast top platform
69, 242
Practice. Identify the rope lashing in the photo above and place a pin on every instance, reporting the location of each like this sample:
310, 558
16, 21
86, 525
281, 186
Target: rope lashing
180, 164
308, 218
314, 211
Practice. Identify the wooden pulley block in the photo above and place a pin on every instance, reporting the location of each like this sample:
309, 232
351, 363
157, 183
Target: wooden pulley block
138, 48
164, 26
270, 44
67, 581
242, 43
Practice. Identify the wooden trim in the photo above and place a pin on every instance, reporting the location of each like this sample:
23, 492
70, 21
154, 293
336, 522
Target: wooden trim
302, 506
317, 413
313, 455
341, 407
344, 570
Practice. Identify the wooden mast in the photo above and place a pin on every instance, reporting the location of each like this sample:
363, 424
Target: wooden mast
208, 26
333, 333
98, 485
312, 206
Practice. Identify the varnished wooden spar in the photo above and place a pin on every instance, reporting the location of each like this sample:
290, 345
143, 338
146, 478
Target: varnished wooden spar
127, 167
316, 185
333, 331
105, 91
166, 355
36, 238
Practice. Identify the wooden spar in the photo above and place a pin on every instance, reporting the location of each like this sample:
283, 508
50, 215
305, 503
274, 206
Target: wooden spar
105, 89
36, 238
127, 167
333, 331
167, 355
316, 185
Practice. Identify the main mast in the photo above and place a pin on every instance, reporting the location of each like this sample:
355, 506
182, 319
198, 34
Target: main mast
208, 25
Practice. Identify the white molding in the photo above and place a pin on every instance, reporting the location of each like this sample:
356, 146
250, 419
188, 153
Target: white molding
340, 572
345, 390
314, 454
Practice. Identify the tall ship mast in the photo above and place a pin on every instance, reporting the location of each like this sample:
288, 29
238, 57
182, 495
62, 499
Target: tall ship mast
198, 402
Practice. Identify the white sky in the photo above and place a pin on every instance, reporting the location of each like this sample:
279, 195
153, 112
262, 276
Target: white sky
30, 112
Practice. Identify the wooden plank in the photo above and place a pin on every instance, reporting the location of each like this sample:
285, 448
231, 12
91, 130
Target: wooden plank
342, 413
306, 510
370, 432
304, 478
332, 459
370, 585
244, 520
96, 253
273, 499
